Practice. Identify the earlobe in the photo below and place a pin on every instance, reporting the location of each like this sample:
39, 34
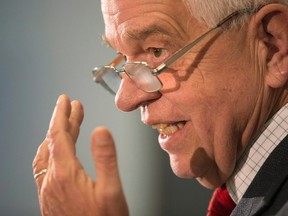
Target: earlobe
274, 21
277, 80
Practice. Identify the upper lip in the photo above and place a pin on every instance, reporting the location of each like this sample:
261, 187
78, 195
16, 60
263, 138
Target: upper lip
155, 123
155, 119
168, 123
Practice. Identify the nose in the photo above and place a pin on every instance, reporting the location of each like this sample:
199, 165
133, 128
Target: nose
129, 97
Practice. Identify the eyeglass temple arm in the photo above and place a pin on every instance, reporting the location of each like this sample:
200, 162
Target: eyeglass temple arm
188, 47
98, 72
116, 61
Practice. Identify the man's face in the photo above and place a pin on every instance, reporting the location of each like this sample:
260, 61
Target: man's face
208, 96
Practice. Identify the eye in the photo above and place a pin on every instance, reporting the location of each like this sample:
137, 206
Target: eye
157, 52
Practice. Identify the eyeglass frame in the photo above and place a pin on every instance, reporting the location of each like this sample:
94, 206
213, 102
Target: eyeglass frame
176, 56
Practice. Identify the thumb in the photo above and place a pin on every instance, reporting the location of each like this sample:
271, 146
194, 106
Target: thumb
110, 193
104, 156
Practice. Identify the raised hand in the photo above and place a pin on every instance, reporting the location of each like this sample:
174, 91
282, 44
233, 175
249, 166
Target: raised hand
64, 188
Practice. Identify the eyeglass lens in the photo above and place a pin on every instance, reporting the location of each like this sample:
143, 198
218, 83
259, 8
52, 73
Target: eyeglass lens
108, 78
142, 75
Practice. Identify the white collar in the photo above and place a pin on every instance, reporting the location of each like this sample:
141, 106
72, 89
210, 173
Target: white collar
256, 153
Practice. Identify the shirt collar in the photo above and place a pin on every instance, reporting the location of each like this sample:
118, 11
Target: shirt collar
256, 153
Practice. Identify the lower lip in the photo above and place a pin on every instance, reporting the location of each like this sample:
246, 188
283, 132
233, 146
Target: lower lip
168, 143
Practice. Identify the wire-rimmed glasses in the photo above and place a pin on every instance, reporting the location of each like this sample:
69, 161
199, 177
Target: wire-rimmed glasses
145, 77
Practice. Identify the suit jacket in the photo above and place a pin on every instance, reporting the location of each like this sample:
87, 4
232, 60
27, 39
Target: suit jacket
268, 192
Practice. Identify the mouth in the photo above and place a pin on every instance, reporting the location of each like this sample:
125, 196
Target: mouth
169, 129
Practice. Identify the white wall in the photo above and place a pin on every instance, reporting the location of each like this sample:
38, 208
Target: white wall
48, 48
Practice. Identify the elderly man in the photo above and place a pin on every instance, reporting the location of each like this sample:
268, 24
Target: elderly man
211, 77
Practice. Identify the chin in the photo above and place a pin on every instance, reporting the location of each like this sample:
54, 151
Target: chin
182, 173
208, 184
200, 168
182, 167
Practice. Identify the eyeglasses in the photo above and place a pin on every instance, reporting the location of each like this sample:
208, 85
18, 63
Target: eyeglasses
145, 77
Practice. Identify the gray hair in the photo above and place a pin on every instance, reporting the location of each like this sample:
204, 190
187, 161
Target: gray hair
212, 11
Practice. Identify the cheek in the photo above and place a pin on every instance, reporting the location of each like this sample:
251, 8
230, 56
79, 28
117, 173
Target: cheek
170, 81
210, 104
213, 138
179, 77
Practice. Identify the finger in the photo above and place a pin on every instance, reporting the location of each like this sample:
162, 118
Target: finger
104, 157
61, 142
61, 114
109, 189
40, 162
75, 119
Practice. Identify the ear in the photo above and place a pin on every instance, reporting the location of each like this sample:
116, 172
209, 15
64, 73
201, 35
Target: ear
273, 20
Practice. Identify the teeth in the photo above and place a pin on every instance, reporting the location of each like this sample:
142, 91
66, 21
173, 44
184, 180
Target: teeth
168, 129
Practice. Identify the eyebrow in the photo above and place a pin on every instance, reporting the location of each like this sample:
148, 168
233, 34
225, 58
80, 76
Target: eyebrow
148, 31
142, 34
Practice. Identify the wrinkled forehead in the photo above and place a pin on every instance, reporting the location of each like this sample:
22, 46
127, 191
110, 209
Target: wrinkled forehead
115, 6
124, 17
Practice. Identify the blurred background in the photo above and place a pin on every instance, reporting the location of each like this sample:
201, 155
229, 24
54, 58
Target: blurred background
48, 48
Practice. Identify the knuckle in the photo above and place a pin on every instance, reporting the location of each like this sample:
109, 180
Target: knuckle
35, 163
109, 159
111, 194
53, 133
61, 177
37, 159
56, 183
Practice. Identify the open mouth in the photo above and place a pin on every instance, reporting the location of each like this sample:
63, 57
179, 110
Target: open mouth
168, 129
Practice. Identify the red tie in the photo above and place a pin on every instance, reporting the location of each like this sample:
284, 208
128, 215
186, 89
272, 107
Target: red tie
221, 203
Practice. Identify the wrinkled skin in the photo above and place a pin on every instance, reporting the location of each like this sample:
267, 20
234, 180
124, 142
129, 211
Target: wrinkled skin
66, 189
224, 90
221, 89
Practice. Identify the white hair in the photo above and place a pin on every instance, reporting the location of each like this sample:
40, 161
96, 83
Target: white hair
212, 11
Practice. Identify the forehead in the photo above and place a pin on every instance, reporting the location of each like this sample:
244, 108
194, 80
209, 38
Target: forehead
138, 19
115, 6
